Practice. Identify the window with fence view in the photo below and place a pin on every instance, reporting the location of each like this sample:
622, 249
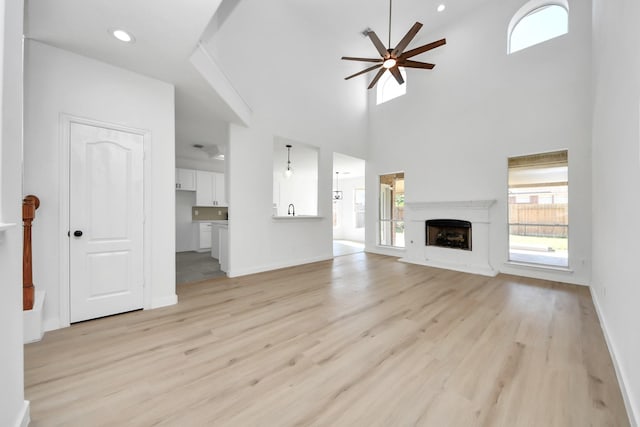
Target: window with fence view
539, 209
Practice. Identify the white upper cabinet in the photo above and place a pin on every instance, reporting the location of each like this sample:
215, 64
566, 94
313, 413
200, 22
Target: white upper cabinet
221, 196
210, 189
185, 179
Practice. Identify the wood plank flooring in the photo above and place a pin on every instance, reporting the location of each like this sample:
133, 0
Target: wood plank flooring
362, 340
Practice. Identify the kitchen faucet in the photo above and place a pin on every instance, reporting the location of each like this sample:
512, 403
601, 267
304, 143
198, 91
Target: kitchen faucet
291, 210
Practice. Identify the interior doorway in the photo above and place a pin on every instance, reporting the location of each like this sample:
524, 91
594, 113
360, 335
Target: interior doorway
348, 204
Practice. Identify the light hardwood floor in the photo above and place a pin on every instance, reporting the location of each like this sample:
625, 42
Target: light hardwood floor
362, 340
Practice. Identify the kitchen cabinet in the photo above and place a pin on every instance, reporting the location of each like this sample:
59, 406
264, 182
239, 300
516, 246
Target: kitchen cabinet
185, 179
221, 196
224, 249
205, 236
215, 241
219, 243
210, 189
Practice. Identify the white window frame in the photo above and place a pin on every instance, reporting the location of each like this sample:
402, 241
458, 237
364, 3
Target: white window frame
395, 89
528, 9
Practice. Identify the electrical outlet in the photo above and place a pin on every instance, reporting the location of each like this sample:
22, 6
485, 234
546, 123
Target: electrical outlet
219, 213
196, 212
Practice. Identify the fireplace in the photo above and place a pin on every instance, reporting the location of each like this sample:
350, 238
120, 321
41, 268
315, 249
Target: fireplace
448, 233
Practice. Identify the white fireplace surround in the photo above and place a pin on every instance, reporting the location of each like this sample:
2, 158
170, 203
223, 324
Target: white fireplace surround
475, 261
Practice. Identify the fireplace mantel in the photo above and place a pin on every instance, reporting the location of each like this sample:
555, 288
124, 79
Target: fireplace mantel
476, 211
467, 204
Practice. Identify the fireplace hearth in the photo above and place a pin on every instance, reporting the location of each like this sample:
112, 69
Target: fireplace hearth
448, 233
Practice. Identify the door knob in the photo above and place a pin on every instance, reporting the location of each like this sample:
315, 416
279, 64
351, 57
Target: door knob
77, 233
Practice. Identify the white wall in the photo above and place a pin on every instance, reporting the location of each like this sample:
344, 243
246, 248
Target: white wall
346, 229
187, 232
13, 408
461, 121
616, 174
211, 165
57, 82
294, 107
257, 242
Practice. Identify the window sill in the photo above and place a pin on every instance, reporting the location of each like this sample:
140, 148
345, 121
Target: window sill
539, 267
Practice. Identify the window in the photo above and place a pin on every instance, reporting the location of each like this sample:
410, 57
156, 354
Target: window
539, 209
388, 87
392, 210
534, 24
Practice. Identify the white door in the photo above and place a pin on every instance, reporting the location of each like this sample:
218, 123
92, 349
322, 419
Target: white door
105, 222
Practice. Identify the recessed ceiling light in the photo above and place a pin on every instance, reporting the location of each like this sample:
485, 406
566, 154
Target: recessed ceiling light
441, 7
122, 35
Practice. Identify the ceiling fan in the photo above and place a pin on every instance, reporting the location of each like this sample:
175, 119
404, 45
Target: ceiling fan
390, 59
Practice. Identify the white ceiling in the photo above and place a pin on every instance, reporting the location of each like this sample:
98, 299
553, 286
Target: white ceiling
167, 32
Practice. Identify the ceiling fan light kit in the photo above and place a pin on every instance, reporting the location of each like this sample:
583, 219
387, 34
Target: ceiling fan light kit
393, 58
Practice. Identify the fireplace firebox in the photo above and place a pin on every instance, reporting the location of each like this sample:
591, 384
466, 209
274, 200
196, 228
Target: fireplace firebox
448, 233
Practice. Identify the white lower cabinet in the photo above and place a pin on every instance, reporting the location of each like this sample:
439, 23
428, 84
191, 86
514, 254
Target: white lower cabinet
215, 242
224, 249
219, 244
205, 236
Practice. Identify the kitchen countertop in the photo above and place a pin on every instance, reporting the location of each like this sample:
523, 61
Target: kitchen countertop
212, 221
296, 217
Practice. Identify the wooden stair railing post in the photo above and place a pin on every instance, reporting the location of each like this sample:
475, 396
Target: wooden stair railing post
29, 206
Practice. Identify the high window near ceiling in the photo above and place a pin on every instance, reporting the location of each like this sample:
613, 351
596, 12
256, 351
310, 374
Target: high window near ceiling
537, 22
388, 87
391, 213
539, 209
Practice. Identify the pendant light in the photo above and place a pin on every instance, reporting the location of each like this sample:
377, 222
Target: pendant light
337, 194
289, 171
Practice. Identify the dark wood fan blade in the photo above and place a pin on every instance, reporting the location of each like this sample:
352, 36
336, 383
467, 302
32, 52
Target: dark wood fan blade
363, 71
424, 48
415, 64
378, 44
351, 58
377, 77
406, 40
396, 73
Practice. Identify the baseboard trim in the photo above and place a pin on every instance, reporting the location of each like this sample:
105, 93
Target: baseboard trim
632, 413
483, 270
164, 301
24, 417
277, 266
385, 250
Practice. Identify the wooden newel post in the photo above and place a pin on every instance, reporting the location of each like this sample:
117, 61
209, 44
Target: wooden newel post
29, 206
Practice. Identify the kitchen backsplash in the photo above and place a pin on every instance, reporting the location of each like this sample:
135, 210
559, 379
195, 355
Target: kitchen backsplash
199, 213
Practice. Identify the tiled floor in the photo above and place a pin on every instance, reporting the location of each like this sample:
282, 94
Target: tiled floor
196, 266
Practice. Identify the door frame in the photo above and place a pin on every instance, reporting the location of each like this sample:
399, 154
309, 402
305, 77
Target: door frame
65, 122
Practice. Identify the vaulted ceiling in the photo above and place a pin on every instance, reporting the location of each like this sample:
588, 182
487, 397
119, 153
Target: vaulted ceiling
301, 47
